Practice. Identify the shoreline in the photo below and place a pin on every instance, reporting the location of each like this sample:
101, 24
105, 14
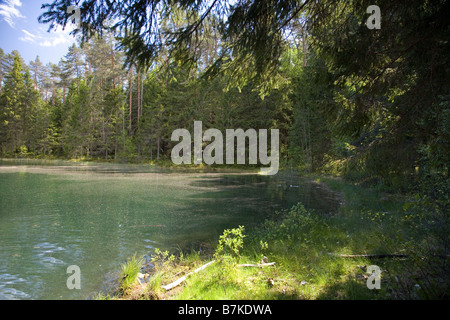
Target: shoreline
309, 256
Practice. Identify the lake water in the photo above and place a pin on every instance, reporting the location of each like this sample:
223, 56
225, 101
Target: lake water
54, 214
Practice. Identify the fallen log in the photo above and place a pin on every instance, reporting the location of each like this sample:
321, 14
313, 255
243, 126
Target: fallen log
382, 256
256, 265
176, 283
148, 225
374, 256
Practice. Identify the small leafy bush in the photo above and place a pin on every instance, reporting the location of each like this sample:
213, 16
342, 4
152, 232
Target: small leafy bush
230, 242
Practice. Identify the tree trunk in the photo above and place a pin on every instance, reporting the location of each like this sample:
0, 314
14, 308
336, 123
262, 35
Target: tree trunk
157, 150
131, 93
138, 99
113, 68
304, 46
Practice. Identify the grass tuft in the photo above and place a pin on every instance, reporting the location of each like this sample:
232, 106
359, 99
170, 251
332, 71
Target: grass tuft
129, 272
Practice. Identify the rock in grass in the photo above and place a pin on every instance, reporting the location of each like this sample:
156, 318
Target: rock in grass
142, 278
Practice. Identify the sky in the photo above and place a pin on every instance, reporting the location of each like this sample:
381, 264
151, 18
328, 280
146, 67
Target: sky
21, 31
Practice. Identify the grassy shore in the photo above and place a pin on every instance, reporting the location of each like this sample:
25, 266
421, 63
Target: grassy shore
311, 259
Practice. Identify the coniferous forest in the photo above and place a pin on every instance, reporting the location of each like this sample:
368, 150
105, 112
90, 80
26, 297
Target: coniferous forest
368, 104
371, 103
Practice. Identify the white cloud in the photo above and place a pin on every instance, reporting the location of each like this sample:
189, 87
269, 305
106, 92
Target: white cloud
57, 37
48, 39
9, 12
54, 41
28, 37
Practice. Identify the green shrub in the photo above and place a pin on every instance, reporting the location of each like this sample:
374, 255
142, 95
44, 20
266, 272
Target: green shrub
230, 242
129, 272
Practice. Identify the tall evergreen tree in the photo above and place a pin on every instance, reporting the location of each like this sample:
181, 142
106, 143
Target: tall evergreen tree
18, 98
2, 67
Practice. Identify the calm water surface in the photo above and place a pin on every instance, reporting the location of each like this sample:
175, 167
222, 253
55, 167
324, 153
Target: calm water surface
54, 214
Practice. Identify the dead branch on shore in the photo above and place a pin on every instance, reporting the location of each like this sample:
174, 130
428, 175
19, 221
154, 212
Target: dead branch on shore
374, 256
256, 265
176, 283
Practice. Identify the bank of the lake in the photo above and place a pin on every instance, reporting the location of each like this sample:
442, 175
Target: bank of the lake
301, 254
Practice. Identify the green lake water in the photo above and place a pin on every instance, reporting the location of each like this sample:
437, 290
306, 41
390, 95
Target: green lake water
54, 214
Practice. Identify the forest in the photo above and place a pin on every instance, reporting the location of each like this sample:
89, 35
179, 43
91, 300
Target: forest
371, 103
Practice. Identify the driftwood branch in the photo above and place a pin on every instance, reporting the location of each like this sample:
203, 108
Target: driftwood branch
179, 281
370, 256
256, 265
374, 256
381, 256
176, 283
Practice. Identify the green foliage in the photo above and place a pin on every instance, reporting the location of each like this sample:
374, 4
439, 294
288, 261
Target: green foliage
426, 217
18, 102
129, 272
252, 32
153, 289
371, 105
309, 135
23, 151
230, 243
347, 99
163, 258
288, 224
306, 246
387, 102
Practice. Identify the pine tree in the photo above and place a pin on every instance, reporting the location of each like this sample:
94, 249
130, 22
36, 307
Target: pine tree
74, 62
36, 68
18, 98
2, 67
